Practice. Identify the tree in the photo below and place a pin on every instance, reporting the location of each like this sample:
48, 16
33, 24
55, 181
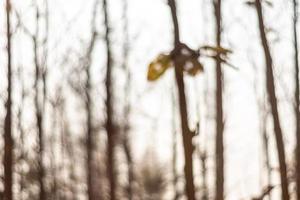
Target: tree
8, 140
297, 94
270, 85
88, 107
38, 107
219, 195
126, 142
187, 134
109, 124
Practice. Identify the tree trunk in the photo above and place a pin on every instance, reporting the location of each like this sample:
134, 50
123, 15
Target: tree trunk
297, 100
127, 109
219, 109
130, 173
88, 106
109, 125
270, 84
8, 140
38, 111
187, 134
21, 130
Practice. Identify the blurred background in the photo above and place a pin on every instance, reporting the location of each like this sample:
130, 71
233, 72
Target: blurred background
149, 100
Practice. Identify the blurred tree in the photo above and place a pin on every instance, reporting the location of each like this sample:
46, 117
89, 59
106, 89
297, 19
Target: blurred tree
270, 85
8, 140
39, 104
187, 134
219, 194
297, 98
89, 107
109, 123
152, 177
126, 139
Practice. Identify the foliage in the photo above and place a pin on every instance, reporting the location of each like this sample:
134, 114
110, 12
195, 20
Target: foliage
158, 67
188, 59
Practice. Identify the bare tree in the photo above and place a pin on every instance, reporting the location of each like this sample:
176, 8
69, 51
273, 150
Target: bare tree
109, 124
39, 107
263, 113
21, 130
8, 140
127, 108
187, 134
270, 85
88, 107
219, 195
297, 94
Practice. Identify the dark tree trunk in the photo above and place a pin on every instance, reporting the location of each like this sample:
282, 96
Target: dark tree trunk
219, 195
89, 124
8, 140
109, 125
297, 100
270, 84
187, 134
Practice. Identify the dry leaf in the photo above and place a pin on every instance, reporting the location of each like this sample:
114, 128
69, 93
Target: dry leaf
158, 67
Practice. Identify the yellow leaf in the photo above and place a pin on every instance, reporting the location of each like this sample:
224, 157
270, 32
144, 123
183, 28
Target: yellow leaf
158, 67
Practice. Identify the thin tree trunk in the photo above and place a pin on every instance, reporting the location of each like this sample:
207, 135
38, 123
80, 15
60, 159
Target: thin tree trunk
187, 134
38, 111
219, 195
130, 173
270, 84
88, 107
53, 164
8, 140
22, 132
297, 100
109, 125
263, 116
45, 55
89, 126
42, 109
127, 110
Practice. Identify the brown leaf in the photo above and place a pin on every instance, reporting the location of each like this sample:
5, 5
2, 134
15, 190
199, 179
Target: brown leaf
196, 68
